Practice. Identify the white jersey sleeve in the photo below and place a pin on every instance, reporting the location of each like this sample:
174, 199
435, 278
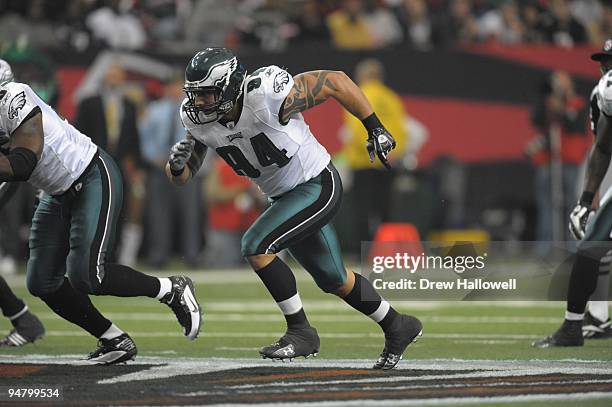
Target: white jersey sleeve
276, 83
17, 105
604, 94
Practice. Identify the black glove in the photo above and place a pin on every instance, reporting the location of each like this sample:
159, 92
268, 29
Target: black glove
380, 141
179, 155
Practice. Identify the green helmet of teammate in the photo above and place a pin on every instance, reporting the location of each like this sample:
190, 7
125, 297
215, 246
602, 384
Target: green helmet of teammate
218, 74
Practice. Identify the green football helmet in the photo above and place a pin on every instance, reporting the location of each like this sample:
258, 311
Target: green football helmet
218, 74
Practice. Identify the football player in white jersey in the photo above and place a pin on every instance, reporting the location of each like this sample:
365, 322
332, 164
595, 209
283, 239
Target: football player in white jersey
74, 225
254, 123
595, 235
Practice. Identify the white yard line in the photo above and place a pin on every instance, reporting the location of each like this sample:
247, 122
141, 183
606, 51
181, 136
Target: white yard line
346, 335
163, 315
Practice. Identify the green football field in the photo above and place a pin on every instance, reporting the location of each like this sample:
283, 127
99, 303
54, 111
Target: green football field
240, 317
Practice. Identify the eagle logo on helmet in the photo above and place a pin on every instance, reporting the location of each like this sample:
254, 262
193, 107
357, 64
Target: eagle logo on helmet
16, 104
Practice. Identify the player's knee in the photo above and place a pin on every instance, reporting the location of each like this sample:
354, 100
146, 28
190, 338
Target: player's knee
81, 281
40, 287
331, 282
249, 243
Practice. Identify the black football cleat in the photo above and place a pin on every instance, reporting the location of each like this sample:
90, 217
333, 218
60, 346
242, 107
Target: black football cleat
112, 351
404, 330
593, 328
28, 329
296, 342
569, 334
181, 299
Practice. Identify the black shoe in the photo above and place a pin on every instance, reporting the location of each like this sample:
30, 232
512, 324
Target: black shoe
28, 329
113, 351
593, 328
570, 334
404, 330
181, 299
296, 342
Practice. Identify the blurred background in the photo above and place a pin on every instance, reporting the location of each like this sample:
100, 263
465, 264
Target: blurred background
488, 100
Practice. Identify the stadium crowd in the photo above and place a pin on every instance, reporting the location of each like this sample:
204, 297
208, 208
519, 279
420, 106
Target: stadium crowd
275, 25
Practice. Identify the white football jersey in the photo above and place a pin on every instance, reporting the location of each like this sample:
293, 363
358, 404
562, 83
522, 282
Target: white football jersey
276, 157
66, 152
604, 94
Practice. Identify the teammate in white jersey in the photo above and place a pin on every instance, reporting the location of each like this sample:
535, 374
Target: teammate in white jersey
595, 235
74, 225
254, 123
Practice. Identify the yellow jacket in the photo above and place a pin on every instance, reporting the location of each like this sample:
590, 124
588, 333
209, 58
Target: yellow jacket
347, 34
390, 110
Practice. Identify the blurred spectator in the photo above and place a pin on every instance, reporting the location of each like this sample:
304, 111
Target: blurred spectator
171, 210
265, 23
602, 30
590, 14
116, 27
560, 27
416, 22
372, 182
232, 207
39, 32
349, 27
163, 19
311, 25
72, 32
557, 151
502, 24
109, 119
532, 21
211, 22
383, 25
457, 26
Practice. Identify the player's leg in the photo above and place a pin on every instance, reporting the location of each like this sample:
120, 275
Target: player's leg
27, 328
94, 215
296, 214
320, 255
47, 266
583, 279
597, 323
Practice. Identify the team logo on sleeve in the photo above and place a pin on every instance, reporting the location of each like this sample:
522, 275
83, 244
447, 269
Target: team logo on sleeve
280, 80
16, 104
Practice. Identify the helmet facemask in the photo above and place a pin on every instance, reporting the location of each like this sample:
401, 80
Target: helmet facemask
206, 112
212, 90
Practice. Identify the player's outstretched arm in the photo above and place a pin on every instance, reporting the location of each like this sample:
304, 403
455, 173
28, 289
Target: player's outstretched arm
597, 166
315, 87
599, 159
186, 158
26, 148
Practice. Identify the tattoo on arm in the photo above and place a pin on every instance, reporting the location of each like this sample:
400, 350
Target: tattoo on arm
309, 89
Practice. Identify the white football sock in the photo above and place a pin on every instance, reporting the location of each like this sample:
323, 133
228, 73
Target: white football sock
165, 286
112, 332
599, 309
131, 237
572, 316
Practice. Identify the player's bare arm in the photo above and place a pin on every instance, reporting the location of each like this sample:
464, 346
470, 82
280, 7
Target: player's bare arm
599, 159
597, 166
26, 148
185, 160
315, 87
